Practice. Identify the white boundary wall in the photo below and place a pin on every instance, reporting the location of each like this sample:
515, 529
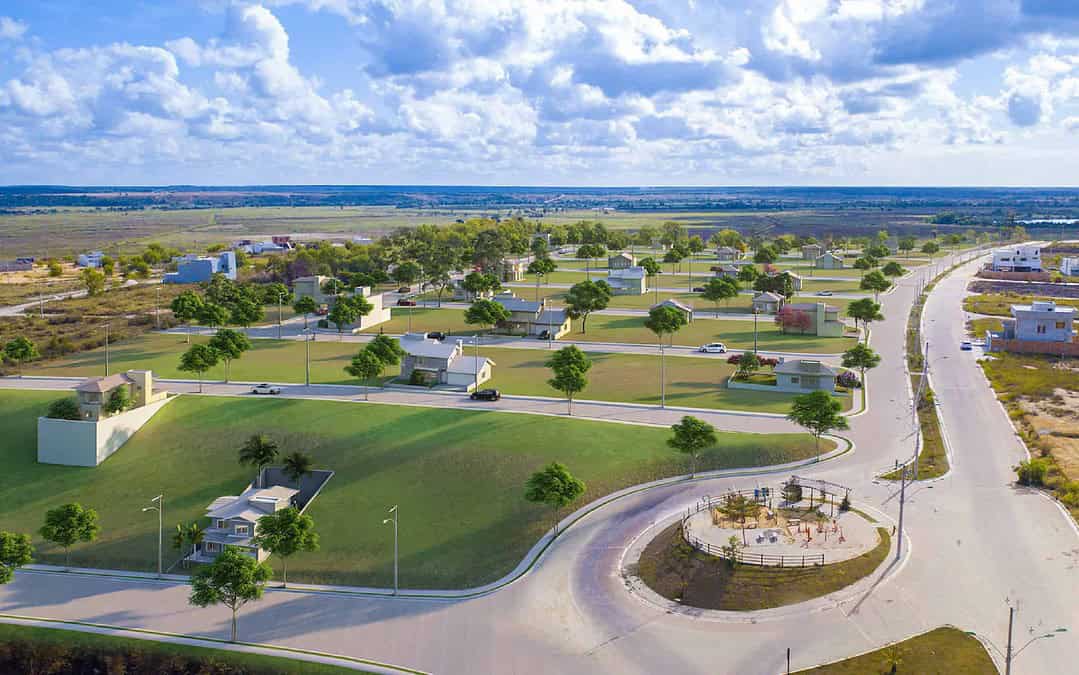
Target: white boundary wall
88, 443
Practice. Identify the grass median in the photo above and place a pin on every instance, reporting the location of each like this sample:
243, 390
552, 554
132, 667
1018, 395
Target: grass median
945, 650
457, 475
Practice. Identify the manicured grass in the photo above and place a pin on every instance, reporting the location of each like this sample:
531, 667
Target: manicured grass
736, 334
425, 319
979, 327
941, 651
813, 285
1000, 304
458, 476
615, 377
676, 570
131, 655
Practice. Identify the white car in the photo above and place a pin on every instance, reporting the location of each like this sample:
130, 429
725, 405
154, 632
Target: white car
825, 294
713, 348
265, 389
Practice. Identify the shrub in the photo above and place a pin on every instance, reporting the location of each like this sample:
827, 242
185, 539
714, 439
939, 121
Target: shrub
323, 323
848, 379
1032, 472
845, 504
64, 409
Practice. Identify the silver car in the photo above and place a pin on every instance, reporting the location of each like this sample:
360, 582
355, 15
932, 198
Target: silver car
713, 348
266, 389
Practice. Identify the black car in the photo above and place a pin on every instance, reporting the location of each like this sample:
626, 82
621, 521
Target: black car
436, 335
404, 289
699, 289
545, 335
486, 395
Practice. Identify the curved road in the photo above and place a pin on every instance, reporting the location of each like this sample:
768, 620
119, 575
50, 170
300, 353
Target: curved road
977, 542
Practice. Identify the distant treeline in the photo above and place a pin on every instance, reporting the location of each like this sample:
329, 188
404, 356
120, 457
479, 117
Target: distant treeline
1042, 201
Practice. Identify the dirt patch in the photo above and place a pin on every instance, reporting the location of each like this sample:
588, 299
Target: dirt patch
1056, 420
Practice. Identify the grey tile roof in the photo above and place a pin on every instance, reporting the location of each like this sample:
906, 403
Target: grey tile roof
514, 304
467, 364
805, 367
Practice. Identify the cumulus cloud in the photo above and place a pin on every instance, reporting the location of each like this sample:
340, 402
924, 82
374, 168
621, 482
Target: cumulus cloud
11, 29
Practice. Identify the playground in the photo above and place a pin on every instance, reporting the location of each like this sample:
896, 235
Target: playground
788, 532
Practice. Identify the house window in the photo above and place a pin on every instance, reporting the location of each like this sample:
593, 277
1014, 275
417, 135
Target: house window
213, 547
1040, 329
1060, 325
219, 524
242, 529
794, 379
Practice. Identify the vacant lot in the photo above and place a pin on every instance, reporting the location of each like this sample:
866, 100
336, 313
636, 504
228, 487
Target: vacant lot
614, 377
458, 476
1000, 304
942, 651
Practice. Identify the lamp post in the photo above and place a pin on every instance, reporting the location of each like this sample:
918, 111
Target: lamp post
160, 508
393, 520
106, 350
755, 313
278, 316
307, 335
1009, 654
157, 306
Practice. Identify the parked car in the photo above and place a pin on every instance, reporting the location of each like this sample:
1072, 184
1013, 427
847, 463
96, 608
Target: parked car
713, 348
264, 388
486, 395
404, 289
544, 335
825, 294
966, 345
405, 302
436, 335
698, 289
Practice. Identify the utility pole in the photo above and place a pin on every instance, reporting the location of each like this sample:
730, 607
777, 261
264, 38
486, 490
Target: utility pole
755, 313
278, 316
395, 558
106, 350
476, 364
1008, 653
160, 508
662, 376
307, 357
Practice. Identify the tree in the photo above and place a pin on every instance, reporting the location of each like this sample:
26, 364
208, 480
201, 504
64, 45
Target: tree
55, 269
387, 349
233, 580
907, 244
876, 251
664, 320
479, 284
297, 465
747, 274
186, 308
765, 254
695, 244
780, 284
876, 282
244, 312
285, 533
15, 551
19, 351
748, 363
727, 237
673, 257
69, 524
930, 247
118, 401
893, 269
739, 508
862, 357
691, 437
191, 535
213, 315
365, 366
346, 309
258, 451
817, 411
720, 288
651, 270
587, 297
866, 311
306, 306
406, 273
788, 318
893, 657
486, 313
792, 492
569, 365
93, 280
554, 486
865, 263
542, 267
64, 409
198, 359
229, 345
588, 252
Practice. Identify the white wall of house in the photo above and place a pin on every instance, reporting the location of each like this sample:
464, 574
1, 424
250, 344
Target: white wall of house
89, 443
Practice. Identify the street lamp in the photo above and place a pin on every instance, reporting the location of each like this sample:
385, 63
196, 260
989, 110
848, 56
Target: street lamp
1010, 655
279, 316
394, 521
756, 311
106, 350
307, 335
160, 508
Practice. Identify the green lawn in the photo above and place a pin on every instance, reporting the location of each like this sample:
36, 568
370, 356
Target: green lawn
942, 651
614, 377
423, 319
736, 334
1000, 304
979, 327
458, 476
131, 655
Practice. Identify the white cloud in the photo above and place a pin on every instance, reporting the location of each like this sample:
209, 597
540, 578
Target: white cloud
11, 29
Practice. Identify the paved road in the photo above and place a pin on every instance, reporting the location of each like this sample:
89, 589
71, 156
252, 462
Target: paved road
976, 543
15, 310
685, 289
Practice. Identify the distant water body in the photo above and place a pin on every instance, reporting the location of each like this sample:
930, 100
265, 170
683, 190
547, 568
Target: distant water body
1050, 221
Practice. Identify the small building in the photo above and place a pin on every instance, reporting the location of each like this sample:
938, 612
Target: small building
314, 287
94, 393
767, 302
829, 261
311, 287
1021, 258
804, 375
461, 293
728, 254
824, 319
1069, 267
234, 520
194, 269
512, 269
628, 281
533, 318
621, 261
430, 362
796, 280
1042, 327
727, 270
812, 251
17, 265
682, 307
892, 244
276, 244
91, 259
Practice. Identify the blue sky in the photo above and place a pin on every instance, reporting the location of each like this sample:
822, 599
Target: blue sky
541, 92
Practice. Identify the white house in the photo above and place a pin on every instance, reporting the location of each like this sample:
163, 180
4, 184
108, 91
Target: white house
621, 261
234, 520
628, 281
1069, 267
1021, 258
312, 287
801, 375
91, 259
686, 310
829, 261
728, 254
533, 318
430, 362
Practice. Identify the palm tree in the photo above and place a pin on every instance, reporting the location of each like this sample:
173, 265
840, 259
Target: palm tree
258, 451
297, 465
893, 658
195, 534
